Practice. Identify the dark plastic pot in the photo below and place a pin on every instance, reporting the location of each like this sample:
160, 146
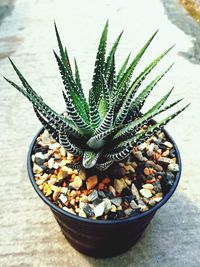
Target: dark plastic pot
99, 238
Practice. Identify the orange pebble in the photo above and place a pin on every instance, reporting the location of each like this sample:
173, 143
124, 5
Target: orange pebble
146, 171
101, 186
150, 181
85, 192
106, 181
91, 182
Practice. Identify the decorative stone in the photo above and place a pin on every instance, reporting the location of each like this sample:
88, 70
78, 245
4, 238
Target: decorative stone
145, 193
92, 196
56, 165
135, 192
69, 210
157, 186
142, 146
166, 153
46, 189
157, 199
99, 210
168, 144
50, 163
112, 190
129, 168
173, 167
39, 158
37, 169
63, 198
164, 160
54, 146
82, 214
143, 207
97, 201
107, 205
56, 194
116, 201
62, 151
82, 174
118, 185
101, 194
150, 150
139, 156
152, 164
88, 210
46, 138
134, 205
113, 208
170, 178
66, 171
91, 182
152, 202
148, 186
128, 211
77, 183
146, 171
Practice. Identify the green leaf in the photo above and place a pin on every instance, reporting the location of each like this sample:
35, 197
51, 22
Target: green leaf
123, 111
139, 101
104, 103
143, 135
112, 83
46, 111
94, 113
98, 140
107, 122
90, 158
125, 79
63, 52
109, 60
95, 91
104, 166
47, 125
123, 68
75, 105
69, 146
134, 125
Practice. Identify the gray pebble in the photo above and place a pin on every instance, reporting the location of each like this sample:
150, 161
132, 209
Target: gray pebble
116, 201
93, 196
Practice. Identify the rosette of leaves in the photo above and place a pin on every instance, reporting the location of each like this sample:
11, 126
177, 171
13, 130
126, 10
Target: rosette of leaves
105, 127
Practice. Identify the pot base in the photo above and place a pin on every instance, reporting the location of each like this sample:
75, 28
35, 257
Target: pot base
101, 241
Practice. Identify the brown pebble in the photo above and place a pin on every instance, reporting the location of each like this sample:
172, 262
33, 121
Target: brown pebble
91, 182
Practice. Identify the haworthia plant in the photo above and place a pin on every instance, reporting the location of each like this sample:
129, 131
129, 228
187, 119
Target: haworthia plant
106, 127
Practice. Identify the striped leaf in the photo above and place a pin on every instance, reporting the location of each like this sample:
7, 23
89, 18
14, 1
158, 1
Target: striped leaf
123, 68
123, 111
139, 101
141, 136
95, 91
125, 80
90, 159
68, 146
75, 106
133, 126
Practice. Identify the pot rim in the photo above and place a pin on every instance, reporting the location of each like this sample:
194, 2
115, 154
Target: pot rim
107, 222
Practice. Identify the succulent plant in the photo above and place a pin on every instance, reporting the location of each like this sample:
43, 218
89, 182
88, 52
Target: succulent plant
105, 128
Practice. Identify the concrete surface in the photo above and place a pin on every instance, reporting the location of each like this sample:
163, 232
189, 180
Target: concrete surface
29, 235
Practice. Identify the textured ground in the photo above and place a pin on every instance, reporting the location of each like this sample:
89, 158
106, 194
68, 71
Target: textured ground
29, 235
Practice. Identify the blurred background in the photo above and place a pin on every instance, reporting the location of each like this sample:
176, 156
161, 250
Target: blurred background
29, 235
